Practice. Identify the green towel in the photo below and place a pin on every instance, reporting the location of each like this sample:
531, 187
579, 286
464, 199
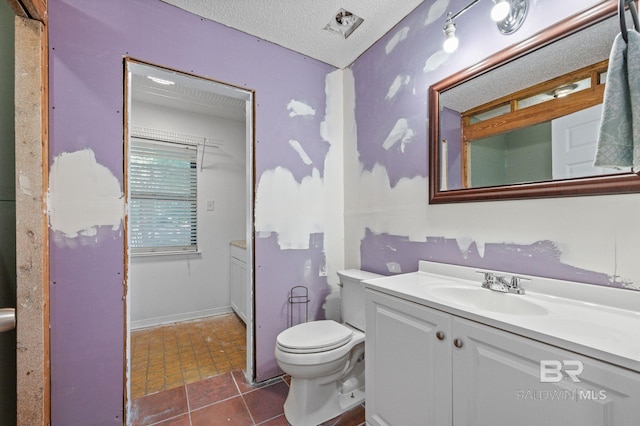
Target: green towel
619, 135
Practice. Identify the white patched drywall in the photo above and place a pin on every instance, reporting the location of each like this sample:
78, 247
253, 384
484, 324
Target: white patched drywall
295, 210
593, 233
437, 9
83, 195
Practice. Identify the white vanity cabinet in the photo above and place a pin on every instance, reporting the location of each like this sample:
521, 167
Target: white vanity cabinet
428, 367
238, 285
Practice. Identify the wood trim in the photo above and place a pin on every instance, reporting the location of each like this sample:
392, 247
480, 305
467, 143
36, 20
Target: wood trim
532, 115
32, 233
125, 240
31, 9
44, 49
127, 60
466, 165
545, 86
623, 183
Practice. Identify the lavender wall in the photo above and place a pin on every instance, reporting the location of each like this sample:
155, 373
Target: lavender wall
88, 40
389, 224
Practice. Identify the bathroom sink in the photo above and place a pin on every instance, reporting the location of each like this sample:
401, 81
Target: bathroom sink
494, 301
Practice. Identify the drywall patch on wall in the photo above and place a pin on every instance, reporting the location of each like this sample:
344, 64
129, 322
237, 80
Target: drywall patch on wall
397, 38
436, 10
297, 108
435, 61
496, 237
401, 132
293, 210
542, 258
332, 131
301, 152
464, 243
83, 195
398, 83
302, 125
374, 204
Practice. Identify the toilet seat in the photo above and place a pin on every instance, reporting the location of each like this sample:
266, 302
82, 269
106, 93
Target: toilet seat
314, 337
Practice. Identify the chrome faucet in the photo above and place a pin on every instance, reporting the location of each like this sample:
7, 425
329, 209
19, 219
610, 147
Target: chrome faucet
500, 283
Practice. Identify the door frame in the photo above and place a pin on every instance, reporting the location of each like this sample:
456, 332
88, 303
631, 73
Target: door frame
33, 390
248, 96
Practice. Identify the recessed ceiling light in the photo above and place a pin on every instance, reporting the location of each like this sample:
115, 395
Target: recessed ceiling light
563, 91
343, 23
161, 81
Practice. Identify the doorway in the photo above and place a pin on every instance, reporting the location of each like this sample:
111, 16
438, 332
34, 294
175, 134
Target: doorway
189, 190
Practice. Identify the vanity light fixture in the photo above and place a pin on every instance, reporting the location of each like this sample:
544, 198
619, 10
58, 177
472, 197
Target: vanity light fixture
508, 14
514, 19
500, 10
451, 41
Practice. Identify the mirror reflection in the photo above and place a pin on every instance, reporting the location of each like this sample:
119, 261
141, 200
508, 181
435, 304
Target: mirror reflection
539, 130
529, 123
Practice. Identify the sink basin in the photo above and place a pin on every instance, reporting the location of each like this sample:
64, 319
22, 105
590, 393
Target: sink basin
482, 298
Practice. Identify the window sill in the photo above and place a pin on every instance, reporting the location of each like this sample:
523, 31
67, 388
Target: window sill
165, 253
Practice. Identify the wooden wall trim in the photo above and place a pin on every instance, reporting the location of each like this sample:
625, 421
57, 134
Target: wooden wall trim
32, 254
32, 9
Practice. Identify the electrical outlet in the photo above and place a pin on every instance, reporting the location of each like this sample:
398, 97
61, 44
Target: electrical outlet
210, 205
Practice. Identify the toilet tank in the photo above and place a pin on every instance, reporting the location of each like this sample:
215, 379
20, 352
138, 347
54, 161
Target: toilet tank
352, 296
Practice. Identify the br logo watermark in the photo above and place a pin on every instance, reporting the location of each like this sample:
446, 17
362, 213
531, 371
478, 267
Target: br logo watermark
551, 370
554, 371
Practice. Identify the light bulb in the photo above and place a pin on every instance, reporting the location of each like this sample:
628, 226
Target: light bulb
450, 44
451, 41
500, 10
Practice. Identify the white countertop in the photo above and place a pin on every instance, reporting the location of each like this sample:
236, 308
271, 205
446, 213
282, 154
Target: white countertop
599, 322
239, 243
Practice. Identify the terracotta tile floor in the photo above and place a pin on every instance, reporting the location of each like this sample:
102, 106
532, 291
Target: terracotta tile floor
189, 374
225, 399
174, 355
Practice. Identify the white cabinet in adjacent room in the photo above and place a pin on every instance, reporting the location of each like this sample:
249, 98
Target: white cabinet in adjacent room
429, 367
238, 284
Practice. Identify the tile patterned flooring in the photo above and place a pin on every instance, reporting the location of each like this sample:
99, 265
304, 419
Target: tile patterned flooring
189, 374
225, 399
174, 355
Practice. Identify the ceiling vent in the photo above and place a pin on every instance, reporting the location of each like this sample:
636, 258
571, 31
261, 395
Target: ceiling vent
343, 23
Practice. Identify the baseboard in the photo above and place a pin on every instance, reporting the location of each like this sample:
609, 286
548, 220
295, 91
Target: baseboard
154, 322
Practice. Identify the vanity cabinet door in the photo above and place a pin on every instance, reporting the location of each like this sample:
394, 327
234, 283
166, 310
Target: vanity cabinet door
408, 363
497, 381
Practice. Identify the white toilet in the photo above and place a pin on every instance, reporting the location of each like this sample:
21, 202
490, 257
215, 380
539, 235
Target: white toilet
325, 359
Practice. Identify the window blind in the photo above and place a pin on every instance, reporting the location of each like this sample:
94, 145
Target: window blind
162, 197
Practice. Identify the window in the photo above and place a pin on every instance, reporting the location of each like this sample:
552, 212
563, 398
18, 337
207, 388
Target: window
163, 197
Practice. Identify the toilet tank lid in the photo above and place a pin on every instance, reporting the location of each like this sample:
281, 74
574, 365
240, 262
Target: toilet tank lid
357, 274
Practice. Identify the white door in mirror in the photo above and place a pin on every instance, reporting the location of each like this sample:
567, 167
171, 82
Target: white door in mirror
575, 138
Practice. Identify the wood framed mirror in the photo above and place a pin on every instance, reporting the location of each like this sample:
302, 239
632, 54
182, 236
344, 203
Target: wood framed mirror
484, 86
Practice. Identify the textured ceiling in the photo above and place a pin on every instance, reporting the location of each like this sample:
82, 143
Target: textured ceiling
299, 24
